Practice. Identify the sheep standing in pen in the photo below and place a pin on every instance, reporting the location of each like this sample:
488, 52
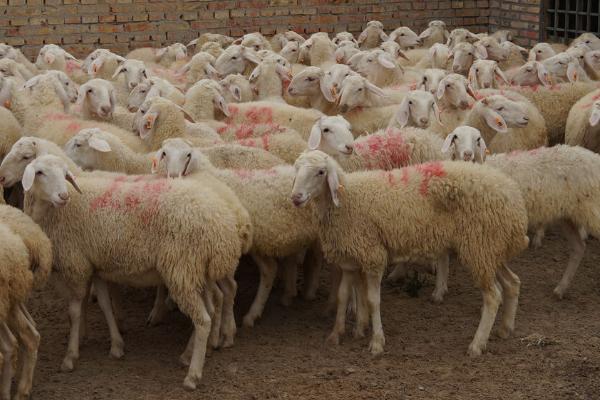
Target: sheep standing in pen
559, 185
583, 128
368, 220
211, 252
25, 264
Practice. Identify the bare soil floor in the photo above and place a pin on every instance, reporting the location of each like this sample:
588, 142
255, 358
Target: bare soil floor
555, 353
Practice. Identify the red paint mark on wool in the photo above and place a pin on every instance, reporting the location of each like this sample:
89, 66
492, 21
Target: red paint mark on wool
73, 127
105, 200
260, 142
592, 101
244, 174
428, 172
259, 115
58, 117
244, 131
385, 152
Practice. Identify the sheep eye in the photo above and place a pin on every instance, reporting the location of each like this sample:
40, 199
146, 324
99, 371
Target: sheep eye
310, 79
234, 58
39, 173
142, 91
424, 79
77, 145
360, 89
293, 50
321, 172
470, 54
66, 83
539, 51
124, 70
410, 102
163, 155
189, 155
89, 90
26, 158
529, 70
402, 34
499, 108
477, 70
326, 130
588, 41
448, 86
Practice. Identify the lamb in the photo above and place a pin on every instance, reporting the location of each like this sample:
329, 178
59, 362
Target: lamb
98, 101
342, 37
201, 66
25, 263
236, 59
381, 69
311, 83
372, 36
582, 128
237, 89
507, 54
435, 33
134, 72
345, 51
592, 64
154, 87
460, 35
423, 199
589, 39
415, 110
94, 149
212, 48
291, 52
564, 194
222, 40
453, 94
541, 52
405, 37
104, 64
11, 132
7, 51
281, 39
270, 77
165, 56
10, 67
485, 73
254, 40
430, 79
319, 50
53, 57
464, 55
385, 150
190, 276
437, 57
263, 194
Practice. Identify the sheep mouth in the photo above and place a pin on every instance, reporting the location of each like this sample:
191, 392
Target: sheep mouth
59, 203
522, 124
299, 203
347, 152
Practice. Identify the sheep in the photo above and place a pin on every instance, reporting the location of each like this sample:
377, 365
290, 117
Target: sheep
551, 197
191, 276
291, 52
287, 145
520, 123
281, 39
319, 50
437, 57
206, 37
103, 65
372, 36
460, 35
553, 101
381, 69
463, 55
212, 48
201, 66
423, 199
343, 37
503, 35
94, 149
264, 195
507, 54
386, 150
165, 56
592, 64
25, 263
53, 57
484, 74
236, 59
566, 67
345, 51
151, 88
237, 89
415, 110
582, 128
11, 132
541, 52
435, 33
7, 51
134, 72
311, 83
270, 78
405, 37
10, 67
254, 40
430, 79
98, 101
453, 95
589, 39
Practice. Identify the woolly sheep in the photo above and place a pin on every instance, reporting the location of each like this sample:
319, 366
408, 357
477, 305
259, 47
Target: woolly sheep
361, 218
281, 39
25, 263
53, 57
98, 101
311, 83
592, 64
201, 66
237, 89
319, 50
437, 57
381, 69
405, 37
430, 79
541, 52
463, 55
416, 109
372, 35
589, 39
345, 51
460, 35
484, 74
582, 128
206, 37
7, 51
134, 72
10, 132
164, 56
435, 33
254, 40
563, 194
454, 95
154, 87
10, 67
212, 48
103, 65
507, 54
264, 195
291, 51
190, 276
269, 79
236, 59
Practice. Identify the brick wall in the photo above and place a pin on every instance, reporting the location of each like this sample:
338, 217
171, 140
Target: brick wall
521, 16
82, 25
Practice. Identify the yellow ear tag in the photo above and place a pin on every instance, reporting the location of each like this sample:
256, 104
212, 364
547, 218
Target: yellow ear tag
341, 188
488, 152
149, 123
7, 104
499, 122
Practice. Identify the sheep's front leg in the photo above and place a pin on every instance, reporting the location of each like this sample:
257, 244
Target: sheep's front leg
29, 338
538, 236
229, 288
8, 345
216, 298
491, 301
104, 301
335, 274
343, 295
374, 301
75, 304
511, 286
442, 269
577, 245
268, 271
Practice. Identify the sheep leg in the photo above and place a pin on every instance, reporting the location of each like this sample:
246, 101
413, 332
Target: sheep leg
511, 286
159, 310
116, 301
290, 278
374, 301
336, 277
268, 271
536, 242
577, 245
312, 271
442, 269
491, 301
29, 338
228, 286
84, 313
75, 305
343, 294
186, 357
104, 301
216, 297
8, 345
362, 306
398, 273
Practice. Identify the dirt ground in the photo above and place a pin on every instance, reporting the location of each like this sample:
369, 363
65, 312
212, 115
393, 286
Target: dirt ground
285, 356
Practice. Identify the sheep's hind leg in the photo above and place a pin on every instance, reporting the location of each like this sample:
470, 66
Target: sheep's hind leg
492, 298
399, 272
268, 271
335, 274
29, 338
538, 236
8, 345
362, 306
75, 305
374, 301
228, 286
511, 285
442, 269
216, 297
105, 303
577, 245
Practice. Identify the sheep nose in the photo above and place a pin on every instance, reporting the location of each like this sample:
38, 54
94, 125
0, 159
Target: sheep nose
343, 108
464, 104
487, 85
64, 196
468, 155
105, 109
349, 148
2, 180
526, 119
424, 120
132, 85
456, 68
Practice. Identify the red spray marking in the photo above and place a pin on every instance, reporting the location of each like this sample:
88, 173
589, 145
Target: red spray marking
591, 103
246, 174
385, 152
106, 199
404, 177
244, 131
259, 115
73, 127
428, 172
58, 117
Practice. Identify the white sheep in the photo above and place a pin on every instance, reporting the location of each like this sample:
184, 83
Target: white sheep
7, 51
134, 72
563, 194
393, 216
460, 35
415, 110
372, 35
10, 67
430, 79
343, 37
53, 57
270, 77
435, 33
582, 128
311, 84
154, 87
97, 99
165, 56
236, 59
454, 94
11, 132
25, 263
237, 89
405, 37
206, 37
102, 64
147, 206
485, 74
319, 50
201, 66
381, 69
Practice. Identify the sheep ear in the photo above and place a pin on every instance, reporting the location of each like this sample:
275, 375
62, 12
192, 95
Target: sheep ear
71, 179
28, 177
522, 50
471, 92
595, 117
236, 92
314, 140
255, 74
98, 144
238, 41
326, 91
156, 161
333, 181
81, 93
186, 115
376, 90
283, 73
448, 142
118, 71
362, 37
437, 113
441, 90
383, 36
495, 120
472, 37
212, 72
543, 74
425, 34
222, 104
532, 55
49, 58
401, 54
184, 69
573, 72
472, 77
499, 74
192, 43
403, 113
149, 120
481, 52
70, 56
160, 53
482, 148
385, 61
251, 56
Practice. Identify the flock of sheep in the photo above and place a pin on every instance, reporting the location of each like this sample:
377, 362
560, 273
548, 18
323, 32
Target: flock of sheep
163, 168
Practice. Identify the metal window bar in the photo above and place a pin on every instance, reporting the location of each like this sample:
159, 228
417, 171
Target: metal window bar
567, 19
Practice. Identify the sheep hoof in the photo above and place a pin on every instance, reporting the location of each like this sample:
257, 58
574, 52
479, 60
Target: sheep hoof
474, 351
437, 298
226, 342
536, 243
504, 332
117, 352
333, 339
68, 365
249, 321
191, 382
559, 292
376, 347
22, 396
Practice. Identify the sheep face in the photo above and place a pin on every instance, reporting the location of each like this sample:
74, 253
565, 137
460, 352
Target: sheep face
104, 61
431, 78
233, 84
564, 66
291, 51
343, 36
456, 91
51, 56
138, 95
343, 54
493, 49
316, 174
483, 74
46, 179
92, 57
464, 55
174, 52
13, 165
511, 113
465, 144
356, 91
254, 41
307, 82
530, 74
53, 79
331, 83
234, 60
86, 147
98, 96
592, 60
416, 109
375, 63
178, 156
541, 52
595, 114
201, 66
460, 35
589, 39
134, 72
332, 135
7, 51
405, 37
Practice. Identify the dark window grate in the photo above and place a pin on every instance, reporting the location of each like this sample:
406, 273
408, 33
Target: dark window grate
567, 19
